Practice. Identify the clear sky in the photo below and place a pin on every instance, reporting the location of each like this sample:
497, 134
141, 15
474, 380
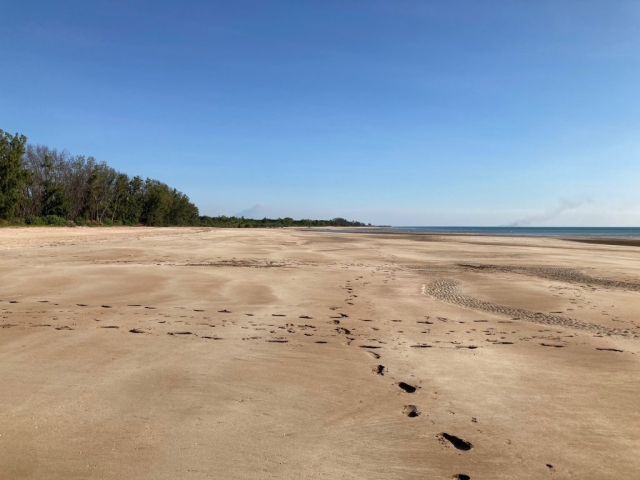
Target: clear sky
396, 112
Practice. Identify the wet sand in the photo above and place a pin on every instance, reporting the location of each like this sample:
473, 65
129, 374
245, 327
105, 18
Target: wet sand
145, 353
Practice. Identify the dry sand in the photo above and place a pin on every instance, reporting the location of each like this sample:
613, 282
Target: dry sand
201, 353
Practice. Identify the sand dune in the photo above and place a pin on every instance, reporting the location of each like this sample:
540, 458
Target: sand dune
201, 353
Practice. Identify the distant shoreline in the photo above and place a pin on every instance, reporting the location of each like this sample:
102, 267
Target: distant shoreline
622, 236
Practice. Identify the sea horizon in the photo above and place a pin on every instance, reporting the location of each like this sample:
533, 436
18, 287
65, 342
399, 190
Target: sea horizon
607, 232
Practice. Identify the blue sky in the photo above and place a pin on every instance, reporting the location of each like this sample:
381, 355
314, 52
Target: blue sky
395, 112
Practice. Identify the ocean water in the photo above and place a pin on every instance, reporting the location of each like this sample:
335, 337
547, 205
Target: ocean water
605, 232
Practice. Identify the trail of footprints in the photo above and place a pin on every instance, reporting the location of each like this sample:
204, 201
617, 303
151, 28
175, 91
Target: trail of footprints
284, 328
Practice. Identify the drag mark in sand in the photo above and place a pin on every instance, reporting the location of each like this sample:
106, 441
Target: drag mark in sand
448, 290
568, 275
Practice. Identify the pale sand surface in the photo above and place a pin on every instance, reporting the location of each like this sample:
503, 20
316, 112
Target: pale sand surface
207, 391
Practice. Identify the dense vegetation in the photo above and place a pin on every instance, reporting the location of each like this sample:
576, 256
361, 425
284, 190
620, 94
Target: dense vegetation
43, 186
241, 222
40, 185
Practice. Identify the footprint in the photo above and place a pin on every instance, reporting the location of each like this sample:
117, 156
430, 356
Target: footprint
461, 476
224, 311
82, 305
106, 306
110, 326
457, 442
552, 345
610, 350
421, 345
306, 317
407, 388
378, 369
179, 333
410, 411
135, 330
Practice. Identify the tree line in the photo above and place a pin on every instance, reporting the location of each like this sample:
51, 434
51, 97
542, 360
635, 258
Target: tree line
44, 186
241, 222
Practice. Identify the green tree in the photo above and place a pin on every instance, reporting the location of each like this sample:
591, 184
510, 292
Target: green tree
54, 199
13, 177
101, 191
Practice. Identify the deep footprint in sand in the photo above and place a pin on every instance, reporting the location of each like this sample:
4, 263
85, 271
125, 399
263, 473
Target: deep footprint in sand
378, 369
407, 388
410, 411
457, 442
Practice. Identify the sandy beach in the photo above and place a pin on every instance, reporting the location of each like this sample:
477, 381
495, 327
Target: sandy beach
195, 353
